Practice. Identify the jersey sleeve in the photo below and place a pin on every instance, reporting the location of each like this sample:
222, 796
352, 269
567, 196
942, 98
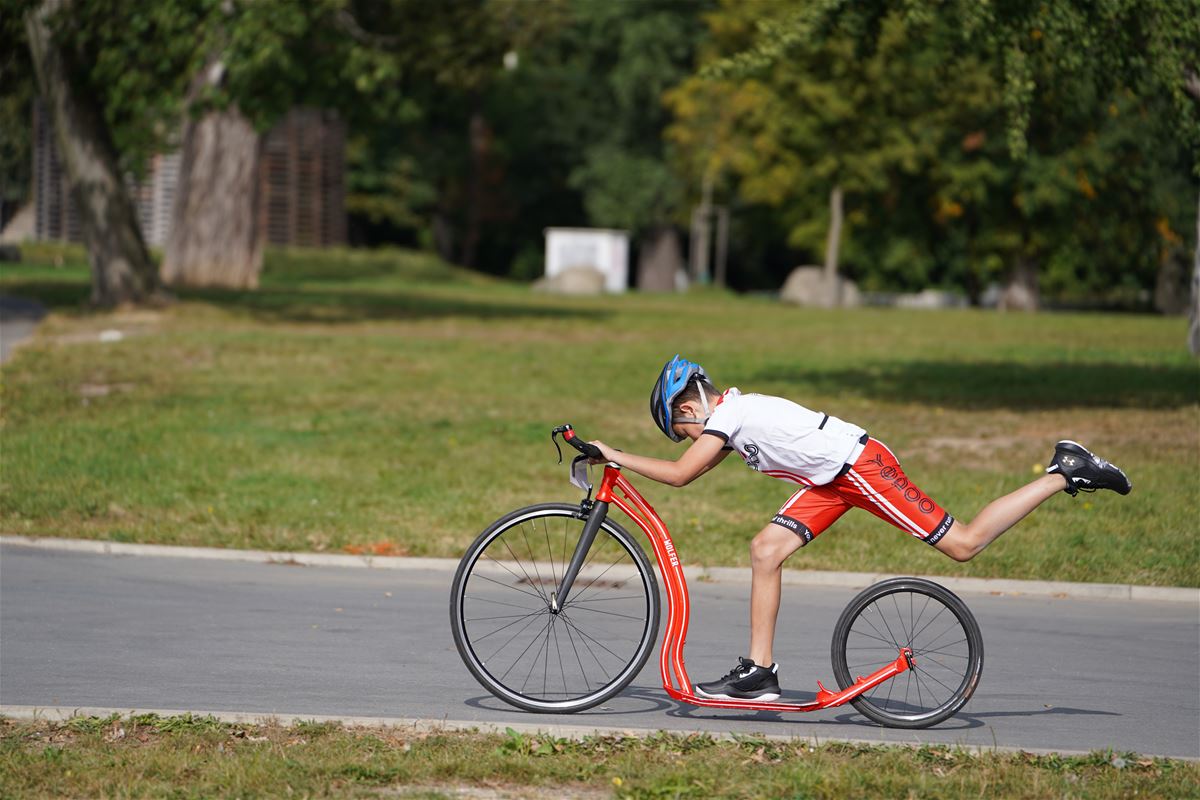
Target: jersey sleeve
724, 422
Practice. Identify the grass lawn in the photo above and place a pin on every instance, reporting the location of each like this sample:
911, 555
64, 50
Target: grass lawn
183, 757
384, 402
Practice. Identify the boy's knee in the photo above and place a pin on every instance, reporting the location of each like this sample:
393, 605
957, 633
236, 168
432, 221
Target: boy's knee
960, 554
958, 549
766, 550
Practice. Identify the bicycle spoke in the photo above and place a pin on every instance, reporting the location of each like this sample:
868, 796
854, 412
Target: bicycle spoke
889, 627
509, 625
502, 616
607, 599
550, 552
954, 626
584, 634
582, 639
607, 613
478, 598
941, 611
526, 579
561, 669
582, 592
874, 665
917, 679
508, 641
537, 587
881, 637
941, 650
526, 650
533, 559
927, 674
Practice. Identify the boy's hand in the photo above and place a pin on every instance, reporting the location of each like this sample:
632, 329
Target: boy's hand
609, 453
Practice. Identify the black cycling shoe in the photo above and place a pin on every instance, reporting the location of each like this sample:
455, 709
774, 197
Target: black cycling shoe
746, 681
1086, 471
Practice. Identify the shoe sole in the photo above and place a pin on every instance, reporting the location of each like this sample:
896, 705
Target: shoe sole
762, 698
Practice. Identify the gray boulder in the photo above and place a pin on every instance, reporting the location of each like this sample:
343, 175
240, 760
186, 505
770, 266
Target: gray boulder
806, 286
572, 281
931, 299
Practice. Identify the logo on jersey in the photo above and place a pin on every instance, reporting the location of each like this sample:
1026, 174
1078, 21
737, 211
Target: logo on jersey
751, 456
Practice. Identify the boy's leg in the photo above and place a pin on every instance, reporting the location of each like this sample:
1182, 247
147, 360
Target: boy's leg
807, 513
965, 540
1072, 469
877, 483
770, 548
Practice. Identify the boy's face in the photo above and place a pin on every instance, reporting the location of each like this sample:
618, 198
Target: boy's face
689, 430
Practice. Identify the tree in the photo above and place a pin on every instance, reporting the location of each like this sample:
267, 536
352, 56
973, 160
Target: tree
122, 271
922, 115
17, 89
622, 64
224, 70
829, 122
555, 118
1147, 48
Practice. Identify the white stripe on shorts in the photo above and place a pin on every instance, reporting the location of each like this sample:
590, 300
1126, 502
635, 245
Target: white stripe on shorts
884, 504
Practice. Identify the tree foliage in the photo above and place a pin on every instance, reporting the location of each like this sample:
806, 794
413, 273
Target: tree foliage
914, 114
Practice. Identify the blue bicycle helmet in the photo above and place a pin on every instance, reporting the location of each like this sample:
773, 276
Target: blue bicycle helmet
674, 377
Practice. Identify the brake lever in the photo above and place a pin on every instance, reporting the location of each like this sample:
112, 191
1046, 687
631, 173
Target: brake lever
554, 438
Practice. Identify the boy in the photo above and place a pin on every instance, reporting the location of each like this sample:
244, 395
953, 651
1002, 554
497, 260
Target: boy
837, 466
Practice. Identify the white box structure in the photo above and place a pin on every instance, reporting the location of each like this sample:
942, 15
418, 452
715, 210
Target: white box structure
601, 249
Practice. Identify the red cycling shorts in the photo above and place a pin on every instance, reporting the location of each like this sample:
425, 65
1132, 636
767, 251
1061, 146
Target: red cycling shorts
875, 482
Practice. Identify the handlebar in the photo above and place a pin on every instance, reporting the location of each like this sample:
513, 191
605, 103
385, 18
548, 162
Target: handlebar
571, 438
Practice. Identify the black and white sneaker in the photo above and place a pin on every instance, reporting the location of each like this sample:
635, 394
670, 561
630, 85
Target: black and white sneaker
1086, 471
746, 681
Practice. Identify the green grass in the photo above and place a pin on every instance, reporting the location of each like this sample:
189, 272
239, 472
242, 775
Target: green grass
198, 757
384, 402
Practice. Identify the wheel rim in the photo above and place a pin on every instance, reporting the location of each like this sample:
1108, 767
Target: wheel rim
523, 650
944, 654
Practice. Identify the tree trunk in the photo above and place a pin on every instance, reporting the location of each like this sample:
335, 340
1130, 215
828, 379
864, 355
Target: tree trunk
659, 260
1021, 291
1194, 311
832, 284
122, 271
479, 138
216, 237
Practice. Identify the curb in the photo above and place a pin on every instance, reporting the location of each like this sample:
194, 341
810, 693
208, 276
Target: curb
731, 575
574, 732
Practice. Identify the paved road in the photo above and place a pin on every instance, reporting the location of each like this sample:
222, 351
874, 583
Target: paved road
18, 318
126, 632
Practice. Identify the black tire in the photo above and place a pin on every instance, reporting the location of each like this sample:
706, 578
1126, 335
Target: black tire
945, 640
592, 650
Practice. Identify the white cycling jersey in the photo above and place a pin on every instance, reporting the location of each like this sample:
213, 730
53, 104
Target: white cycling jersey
784, 439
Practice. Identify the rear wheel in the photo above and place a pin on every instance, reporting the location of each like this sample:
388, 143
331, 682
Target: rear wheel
508, 633
947, 651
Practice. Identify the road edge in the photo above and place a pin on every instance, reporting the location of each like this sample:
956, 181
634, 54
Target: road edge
573, 732
734, 575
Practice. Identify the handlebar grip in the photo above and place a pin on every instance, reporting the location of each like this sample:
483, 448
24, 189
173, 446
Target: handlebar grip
587, 448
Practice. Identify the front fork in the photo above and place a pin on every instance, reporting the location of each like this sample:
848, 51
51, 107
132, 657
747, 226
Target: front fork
595, 519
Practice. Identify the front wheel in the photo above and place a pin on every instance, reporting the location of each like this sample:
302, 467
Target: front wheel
947, 651
519, 644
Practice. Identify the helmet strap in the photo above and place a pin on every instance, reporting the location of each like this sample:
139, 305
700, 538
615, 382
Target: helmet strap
703, 404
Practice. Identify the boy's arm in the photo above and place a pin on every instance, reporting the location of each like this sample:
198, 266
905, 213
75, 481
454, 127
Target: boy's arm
703, 454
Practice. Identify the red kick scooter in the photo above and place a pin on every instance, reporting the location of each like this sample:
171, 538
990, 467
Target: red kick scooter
555, 608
